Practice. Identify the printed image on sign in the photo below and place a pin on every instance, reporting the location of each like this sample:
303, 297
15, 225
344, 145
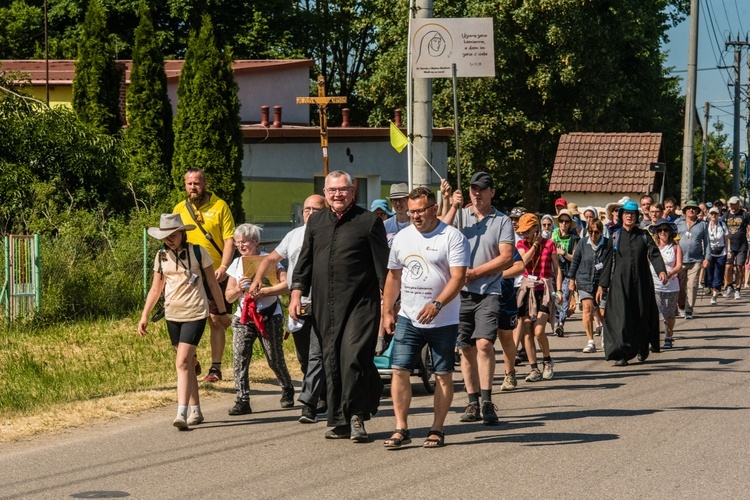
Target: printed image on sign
437, 44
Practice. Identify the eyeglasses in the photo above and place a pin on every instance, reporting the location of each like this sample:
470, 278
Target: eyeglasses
311, 209
546, 224
244, 242
592, 233
690, 208
632, 214
419, 211
342, 190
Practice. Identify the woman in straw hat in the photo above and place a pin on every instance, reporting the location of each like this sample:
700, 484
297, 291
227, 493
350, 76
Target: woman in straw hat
632, 319
179, 271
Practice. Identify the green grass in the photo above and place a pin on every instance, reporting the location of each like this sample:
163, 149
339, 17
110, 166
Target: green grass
42, 367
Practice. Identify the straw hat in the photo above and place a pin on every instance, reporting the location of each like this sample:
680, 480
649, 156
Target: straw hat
567, 212
573, 208
168, 224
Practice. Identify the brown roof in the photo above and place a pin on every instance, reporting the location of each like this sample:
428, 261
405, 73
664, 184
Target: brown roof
62, 71
609, 163
287, 132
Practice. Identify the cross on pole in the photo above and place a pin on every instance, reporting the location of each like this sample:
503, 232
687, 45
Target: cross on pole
322, 101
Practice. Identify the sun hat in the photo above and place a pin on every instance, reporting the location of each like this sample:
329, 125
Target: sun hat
381, 204
630, 206
526, 222
400, 190
663, 222
691, 203
610, 208
517, 212
573, 208
567, 212
482, 179
168, 224
734, 200
560, 202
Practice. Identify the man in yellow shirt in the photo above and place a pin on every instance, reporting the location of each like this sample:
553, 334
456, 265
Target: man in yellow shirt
216, 236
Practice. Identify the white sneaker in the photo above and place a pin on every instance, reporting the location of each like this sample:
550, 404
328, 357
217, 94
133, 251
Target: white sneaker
549, 370
728, 291
195, 418
713, 300
180, 422
737, 294
590, 347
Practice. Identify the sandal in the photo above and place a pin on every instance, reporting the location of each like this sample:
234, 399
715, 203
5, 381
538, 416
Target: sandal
397, 442
432, 442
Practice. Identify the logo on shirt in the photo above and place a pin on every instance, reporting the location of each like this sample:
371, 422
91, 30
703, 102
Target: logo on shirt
417, 268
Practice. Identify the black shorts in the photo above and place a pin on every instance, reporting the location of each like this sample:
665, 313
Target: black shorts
523, 309
739, 257
189, 332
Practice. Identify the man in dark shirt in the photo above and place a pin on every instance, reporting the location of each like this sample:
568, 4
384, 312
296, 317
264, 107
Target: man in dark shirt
737, 220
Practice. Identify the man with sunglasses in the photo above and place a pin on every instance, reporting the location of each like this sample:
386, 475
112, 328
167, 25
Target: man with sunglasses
696, 250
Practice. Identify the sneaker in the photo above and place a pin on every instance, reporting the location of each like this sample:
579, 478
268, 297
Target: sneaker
180, 422
321, 410
737, 294
534, 376
713, 300
339, 432
598, 331
688, 315
549, 370
214, 375
287, 397
559, 331
195, 418
358, 432
241, 408
489, 413
309, 415
590, 347
681, 313
471, 413
509, 383
667, 343
728, 291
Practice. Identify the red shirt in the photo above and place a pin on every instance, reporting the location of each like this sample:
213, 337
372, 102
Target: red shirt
541, 264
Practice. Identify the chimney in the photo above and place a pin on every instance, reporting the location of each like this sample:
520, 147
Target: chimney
345, 117
264, 116
397, 117
276, 117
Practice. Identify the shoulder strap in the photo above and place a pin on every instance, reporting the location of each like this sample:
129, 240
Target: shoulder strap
200, 226
199, 258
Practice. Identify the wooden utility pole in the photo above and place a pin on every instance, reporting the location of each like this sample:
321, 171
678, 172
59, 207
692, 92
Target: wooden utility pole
689, 131
322, 101
737, 44
705, 150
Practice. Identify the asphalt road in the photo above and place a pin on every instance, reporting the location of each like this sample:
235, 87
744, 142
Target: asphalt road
676, 426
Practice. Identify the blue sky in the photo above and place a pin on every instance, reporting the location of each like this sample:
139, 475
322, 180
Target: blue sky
718, 18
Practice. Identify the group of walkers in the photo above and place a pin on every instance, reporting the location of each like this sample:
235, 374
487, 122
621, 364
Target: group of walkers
442, 274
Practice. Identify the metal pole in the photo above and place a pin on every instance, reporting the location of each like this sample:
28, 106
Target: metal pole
736, 124
37, 273
409, 104
422, 115
663, 183
46, 53
6, 295
689, 131
705, 150
145, 263
455, 131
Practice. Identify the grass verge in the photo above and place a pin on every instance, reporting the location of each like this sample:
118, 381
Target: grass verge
58, 377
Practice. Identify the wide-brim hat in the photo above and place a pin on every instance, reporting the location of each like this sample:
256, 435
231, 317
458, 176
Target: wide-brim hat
630, 206
691, 203
610, 208
663, 222
567, 212
526, 222
573, 208
168, 224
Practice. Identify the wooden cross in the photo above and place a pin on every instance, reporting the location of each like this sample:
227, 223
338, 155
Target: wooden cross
322, 101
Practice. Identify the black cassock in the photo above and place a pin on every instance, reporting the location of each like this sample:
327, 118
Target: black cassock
631, 320
343, 263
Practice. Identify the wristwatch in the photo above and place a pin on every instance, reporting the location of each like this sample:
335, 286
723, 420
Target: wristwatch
438, 305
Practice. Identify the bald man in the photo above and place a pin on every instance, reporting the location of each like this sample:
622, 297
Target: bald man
306, 342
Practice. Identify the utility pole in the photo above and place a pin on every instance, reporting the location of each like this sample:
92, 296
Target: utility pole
422, 116
689, 132
737, 44
705, 149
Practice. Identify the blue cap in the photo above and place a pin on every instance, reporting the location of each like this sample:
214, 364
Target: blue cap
382, 205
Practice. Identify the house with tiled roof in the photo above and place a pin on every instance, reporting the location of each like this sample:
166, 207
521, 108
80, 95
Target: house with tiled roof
599, 168
282, 161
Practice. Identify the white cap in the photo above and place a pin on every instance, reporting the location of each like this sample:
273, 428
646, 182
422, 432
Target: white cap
734, 200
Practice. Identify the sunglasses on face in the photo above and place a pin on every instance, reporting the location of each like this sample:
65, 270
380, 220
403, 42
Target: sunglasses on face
662, 230
564, 221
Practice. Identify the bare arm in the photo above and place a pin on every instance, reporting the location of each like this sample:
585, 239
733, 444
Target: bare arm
157, 285
495, 266
390, 294
226, 259
454, 285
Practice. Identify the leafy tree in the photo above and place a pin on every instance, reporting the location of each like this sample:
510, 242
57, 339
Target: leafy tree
18, 22
718, 166
96, 87
207, 126
149, 136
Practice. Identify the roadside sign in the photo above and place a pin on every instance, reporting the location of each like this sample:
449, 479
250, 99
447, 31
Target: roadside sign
437, 44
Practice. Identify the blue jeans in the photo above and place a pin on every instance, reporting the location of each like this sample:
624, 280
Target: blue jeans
715, 272
408, 341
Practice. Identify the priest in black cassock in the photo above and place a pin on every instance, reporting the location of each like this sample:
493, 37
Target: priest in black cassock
343, 264
632, 318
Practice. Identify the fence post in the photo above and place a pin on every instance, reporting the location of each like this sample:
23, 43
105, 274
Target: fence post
145, 263
6, 287
37, 273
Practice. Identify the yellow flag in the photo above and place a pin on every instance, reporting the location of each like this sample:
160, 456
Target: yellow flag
398, 139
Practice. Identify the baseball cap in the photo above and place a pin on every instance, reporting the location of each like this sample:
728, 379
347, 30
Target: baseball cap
517, 212
560, 202
734, 200
482, 179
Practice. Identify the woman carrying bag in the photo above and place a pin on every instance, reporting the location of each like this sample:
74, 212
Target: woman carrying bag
182, 271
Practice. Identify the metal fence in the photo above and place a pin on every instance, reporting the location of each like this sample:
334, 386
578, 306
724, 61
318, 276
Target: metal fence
21, 294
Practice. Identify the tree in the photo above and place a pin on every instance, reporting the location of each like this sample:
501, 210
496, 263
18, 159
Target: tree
207, 126
17, 22
718, 166
149, 136
96, 87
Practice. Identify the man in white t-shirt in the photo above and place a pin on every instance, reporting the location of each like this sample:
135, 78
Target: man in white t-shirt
427, 265
306, 343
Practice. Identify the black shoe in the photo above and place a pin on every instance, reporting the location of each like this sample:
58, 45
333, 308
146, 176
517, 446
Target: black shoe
321, 410
621, 362
471, 413
241, 408
489, 413
339, 432
308, 415
287, 397
358, 432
